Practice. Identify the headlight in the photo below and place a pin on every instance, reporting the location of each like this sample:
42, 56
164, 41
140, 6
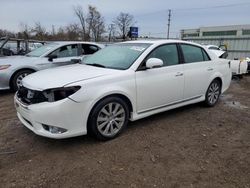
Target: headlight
2, 67
57, 94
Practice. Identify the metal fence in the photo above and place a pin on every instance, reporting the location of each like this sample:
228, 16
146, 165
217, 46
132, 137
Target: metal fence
238, 47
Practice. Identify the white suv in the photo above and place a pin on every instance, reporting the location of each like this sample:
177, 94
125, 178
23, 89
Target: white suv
125, 81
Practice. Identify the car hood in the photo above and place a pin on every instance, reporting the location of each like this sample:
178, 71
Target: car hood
13, 60
61, 76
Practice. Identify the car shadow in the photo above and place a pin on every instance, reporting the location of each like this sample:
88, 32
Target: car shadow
67, 142
163, 115
89, 140
6, 92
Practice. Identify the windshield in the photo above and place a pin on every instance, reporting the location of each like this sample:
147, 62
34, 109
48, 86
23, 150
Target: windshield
42, 50
119, 56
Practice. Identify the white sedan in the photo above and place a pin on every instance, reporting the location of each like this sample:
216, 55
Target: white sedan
122, 82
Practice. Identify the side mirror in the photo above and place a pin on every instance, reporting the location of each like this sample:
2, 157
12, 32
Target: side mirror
154, 63
75, 60
51, 57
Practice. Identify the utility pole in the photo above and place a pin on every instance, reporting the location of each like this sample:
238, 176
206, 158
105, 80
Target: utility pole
169, 20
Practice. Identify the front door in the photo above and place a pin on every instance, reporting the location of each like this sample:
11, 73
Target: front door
158, 87
64, 55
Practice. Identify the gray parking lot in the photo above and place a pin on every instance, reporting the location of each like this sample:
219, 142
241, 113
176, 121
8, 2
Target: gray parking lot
193, 146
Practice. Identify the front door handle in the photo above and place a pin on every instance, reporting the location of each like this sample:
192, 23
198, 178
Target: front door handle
179, 74
210, 69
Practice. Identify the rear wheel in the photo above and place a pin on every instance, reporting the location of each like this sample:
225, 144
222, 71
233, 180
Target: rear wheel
213, 93
16, 81
108, 118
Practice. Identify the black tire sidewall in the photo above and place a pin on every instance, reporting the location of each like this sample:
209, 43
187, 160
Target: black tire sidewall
206, 99
92, 125
14, 86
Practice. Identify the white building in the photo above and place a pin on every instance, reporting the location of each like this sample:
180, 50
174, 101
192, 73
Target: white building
235, 37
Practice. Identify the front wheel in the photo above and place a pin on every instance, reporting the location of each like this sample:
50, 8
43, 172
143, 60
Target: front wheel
16, 82
108, 118
213, 93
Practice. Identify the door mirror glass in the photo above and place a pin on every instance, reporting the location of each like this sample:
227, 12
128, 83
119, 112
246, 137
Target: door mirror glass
51, 57
75, 60
154, 63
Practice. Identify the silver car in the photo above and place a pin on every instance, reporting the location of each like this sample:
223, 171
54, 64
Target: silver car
13, 69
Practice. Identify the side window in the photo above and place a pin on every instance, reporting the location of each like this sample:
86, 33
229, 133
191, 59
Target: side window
205, 56
193, 54
66, 51
167, 53
89, 49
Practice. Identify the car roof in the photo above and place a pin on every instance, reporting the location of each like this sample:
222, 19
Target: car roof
210, 45
159, 42
73, 42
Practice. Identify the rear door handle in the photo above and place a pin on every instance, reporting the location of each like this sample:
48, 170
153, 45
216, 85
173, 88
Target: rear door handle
179, 74
210, 69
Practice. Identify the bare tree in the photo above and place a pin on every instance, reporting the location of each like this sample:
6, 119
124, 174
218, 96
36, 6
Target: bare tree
24, 30
78, 10
96, 24
39, 31
123, 22
4, 33
61, 34
73, 31
111, 32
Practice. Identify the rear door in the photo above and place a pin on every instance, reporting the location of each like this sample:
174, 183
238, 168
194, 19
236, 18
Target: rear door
198, 68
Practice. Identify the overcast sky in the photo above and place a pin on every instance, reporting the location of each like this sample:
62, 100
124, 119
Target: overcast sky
150, 15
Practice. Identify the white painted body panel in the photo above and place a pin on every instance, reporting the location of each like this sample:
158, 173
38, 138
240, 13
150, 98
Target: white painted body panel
150, 91
239, 67
159, 86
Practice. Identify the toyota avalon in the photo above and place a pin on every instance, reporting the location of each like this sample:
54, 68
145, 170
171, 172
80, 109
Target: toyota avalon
122, 82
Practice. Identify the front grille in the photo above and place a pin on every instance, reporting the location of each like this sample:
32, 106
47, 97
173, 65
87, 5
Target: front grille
28, 96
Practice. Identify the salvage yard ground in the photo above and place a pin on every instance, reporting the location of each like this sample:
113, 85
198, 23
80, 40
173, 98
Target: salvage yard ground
193, 146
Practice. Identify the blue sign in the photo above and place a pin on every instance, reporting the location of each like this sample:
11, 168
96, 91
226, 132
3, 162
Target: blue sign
134, 32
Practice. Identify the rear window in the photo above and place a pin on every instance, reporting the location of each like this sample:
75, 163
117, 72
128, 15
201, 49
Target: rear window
193, 54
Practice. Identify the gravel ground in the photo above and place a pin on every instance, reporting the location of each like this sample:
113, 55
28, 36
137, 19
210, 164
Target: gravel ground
193, 146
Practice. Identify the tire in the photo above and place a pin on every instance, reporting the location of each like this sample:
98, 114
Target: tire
108, 118
16, 80
213, 93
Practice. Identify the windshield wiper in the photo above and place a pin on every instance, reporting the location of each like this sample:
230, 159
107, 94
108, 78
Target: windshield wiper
96, 65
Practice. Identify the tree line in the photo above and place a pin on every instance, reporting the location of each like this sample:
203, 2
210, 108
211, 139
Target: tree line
90, 27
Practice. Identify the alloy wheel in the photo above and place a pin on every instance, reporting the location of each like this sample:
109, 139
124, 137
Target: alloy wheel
111, 119
213, 93
20, 78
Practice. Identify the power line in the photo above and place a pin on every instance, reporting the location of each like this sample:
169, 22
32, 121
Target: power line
213, 7
195, 8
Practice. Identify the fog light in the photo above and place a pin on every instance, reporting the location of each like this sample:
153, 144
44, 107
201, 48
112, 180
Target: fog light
53, 129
